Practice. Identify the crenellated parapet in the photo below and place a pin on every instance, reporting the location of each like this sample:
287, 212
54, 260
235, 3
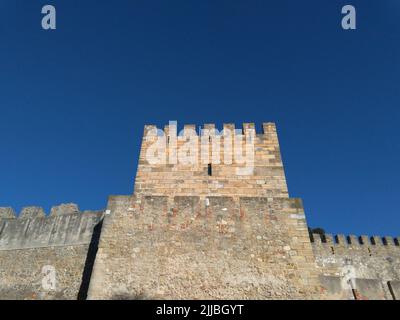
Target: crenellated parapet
372, 262
64, 226
353, 241
224, 161
266, 128
7, 213
32, 212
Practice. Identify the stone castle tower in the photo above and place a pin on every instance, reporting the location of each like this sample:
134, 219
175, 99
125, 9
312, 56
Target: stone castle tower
210, 218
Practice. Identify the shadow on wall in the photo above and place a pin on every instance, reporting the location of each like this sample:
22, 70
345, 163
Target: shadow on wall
89, 263
319, 231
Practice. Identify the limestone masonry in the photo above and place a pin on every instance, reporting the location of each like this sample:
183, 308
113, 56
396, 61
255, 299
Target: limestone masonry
193, 231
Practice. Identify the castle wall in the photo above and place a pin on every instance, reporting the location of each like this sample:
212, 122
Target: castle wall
372, 264
34, 247
194, 233
204, 230
253, 248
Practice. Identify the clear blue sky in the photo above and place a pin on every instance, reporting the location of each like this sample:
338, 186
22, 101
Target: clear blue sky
74, 101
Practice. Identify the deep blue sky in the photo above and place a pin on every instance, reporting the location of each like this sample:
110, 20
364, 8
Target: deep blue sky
74, 101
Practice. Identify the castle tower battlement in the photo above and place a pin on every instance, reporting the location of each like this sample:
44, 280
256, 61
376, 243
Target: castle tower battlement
229, 162
210, 212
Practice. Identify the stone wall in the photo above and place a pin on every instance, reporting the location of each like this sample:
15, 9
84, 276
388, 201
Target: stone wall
254, 248
372, 264
193, 231
34, 247
207, 229
175, 178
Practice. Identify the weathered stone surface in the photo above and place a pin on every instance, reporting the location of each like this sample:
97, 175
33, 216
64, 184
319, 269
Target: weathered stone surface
362, 261
394, 288
64, 209
267, 179
31, 213
365, 261
220, 249
7, 213
33, 249
336, 288
68, 229
370, 289
22, 272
